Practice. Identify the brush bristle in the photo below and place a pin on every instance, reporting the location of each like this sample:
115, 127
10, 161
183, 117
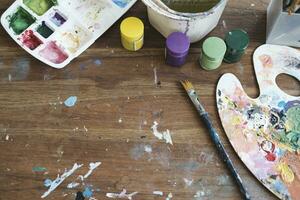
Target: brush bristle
187, 85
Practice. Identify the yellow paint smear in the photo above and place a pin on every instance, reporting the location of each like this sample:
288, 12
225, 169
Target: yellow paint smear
286, 173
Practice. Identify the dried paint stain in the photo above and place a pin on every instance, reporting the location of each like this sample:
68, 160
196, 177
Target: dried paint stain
165, 135
53, 53
55, 183
70, 101
122, 195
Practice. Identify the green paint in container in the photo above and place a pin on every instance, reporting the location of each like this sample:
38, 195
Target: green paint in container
20, 20
44, 30
39, 6
213, 51
237, 42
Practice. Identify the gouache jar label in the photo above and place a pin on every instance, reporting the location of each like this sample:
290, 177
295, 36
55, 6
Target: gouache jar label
132, 33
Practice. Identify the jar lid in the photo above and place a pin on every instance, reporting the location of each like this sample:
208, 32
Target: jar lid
132, 28
214, 48
178, 43
237, 39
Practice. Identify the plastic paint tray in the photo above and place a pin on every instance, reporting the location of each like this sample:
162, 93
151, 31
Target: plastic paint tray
60, 30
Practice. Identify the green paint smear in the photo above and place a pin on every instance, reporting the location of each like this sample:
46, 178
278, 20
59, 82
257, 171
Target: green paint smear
20, 20
292, 136
191, 6
40, 6
44, 30
39, 169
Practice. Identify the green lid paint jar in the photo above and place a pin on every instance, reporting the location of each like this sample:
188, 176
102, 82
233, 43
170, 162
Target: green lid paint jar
237, 42
213, 51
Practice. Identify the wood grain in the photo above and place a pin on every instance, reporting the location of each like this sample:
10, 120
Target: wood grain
117, 104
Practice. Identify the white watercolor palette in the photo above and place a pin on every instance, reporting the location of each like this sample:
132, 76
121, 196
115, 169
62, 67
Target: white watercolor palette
57, 31
265, 132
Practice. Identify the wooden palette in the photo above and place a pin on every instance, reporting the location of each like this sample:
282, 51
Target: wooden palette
265, 132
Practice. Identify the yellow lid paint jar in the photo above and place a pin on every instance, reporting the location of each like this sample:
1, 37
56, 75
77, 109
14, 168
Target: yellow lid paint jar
132, 33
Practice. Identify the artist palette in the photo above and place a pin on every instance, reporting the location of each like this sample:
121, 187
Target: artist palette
265, 132
57, 31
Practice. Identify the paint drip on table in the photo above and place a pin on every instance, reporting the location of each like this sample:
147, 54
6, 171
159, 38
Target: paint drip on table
51, 30
54, 184
265, 132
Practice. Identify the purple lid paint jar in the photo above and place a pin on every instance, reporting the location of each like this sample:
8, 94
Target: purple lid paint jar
177, 48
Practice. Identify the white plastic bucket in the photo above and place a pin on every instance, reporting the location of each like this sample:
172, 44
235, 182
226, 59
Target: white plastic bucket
194, 25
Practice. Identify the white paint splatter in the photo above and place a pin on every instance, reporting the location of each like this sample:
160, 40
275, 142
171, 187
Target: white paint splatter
92, 167
9, 77
159, 193
199, 194
73, 185
60, 179
155, 76
223, 179
170, 196
148, 148
122, 195
7, 137
120, 120
85, 129
165, 135
188, 182
224, 24
252, 4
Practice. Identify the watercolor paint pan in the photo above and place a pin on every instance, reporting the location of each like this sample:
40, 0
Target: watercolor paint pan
54, 32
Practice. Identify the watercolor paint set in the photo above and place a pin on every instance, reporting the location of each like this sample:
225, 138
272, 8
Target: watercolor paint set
57, 31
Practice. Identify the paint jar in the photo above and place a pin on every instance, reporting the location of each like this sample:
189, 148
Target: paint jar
177, 48
237, 42
213, 51
132, 33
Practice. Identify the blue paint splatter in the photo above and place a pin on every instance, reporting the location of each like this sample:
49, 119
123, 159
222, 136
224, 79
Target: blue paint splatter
121, 3
71, 101
97, 62
47, 182
281, 104
39, 169
87, 193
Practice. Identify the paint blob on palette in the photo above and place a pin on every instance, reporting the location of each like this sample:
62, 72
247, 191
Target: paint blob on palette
265, 132
57, 31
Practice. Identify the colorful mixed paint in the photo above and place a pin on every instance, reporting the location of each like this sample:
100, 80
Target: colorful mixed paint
51, 31
265, 132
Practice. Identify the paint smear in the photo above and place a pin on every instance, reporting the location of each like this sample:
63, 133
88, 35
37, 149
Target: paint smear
223, 179
73, 185
122, 195
170, 196
188, 182
39, 169
88, 193
165, 135
54, 184
53, 53
30, 40
92, 167
20, 20
71, 101
58, 19
47, 182
159, 193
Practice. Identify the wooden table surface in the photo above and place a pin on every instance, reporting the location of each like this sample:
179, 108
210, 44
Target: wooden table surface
118, 103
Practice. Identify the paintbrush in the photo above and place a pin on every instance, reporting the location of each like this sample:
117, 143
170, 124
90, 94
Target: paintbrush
214, 136
293, 7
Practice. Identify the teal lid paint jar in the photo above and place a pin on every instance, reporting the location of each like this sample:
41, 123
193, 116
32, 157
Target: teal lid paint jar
213, 51
237, 42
